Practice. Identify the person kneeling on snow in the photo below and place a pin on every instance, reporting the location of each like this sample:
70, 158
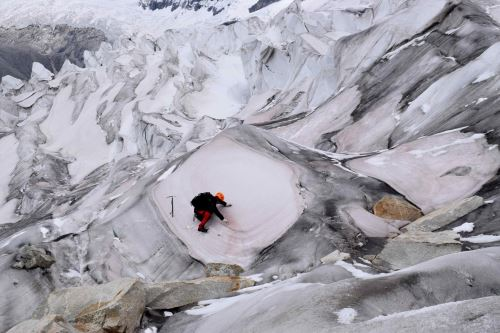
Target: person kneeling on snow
205, 204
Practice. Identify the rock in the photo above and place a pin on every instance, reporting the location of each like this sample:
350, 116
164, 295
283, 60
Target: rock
446, 215
416, 247
334, 257
172, 294
221, 269
395, 208
47, 324
10, 83
40, 73
30, 257
112, 307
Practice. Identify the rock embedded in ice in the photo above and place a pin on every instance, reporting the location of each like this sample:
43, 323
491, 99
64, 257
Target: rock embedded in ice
334, 257
445, 215
396, 208
221, 269
30, 257
415, 247
173, 294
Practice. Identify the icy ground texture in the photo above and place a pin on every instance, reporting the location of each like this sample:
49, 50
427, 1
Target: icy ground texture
240, 173
332, 305
345, 99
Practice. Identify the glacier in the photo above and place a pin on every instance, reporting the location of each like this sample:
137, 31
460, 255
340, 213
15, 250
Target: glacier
114, 114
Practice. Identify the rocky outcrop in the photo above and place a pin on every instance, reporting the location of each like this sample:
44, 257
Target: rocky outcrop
445, 215
395, 208
47, 324
334, 257
221, 269
113, 307
30, 257
412, 248
172, 294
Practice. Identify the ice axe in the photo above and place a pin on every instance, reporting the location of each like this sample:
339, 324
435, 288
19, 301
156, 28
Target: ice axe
171, 204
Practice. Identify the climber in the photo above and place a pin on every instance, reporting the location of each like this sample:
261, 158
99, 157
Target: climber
205, 204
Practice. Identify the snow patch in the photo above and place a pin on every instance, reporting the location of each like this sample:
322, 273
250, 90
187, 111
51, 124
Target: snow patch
346, 315
465, 227
481, 239
354, 271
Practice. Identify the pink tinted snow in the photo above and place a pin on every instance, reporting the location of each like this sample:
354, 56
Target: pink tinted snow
422, 170
263, 191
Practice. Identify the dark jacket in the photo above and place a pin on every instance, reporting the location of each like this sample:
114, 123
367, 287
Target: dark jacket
206, 201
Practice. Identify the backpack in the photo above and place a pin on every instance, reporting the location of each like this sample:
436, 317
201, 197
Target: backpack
201, 200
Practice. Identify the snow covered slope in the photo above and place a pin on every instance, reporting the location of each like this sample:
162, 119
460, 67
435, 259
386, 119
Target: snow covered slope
304, 113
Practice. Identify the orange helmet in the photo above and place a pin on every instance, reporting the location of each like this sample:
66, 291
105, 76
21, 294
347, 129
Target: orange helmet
220, 195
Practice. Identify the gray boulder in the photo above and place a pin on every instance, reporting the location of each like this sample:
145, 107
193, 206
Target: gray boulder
412, 248
30, 257
112, 307
172, 294
446, 215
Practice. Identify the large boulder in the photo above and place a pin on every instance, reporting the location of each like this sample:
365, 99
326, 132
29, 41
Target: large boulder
395, 208
112, 307
446, 215
30, 257
412, 248
172, 294
47, 324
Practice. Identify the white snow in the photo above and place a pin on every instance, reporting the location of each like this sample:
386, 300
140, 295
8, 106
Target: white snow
167, 314
40, 73
117, 17
151, 329
44, 231
225, 91
346, 315
8, 162
480, 100
263, 191
83, 139
354, 271
10, 83
481, 239
465, 227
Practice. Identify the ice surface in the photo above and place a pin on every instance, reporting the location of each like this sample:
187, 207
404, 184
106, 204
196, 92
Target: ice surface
263, 191
8, 161
421, 169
